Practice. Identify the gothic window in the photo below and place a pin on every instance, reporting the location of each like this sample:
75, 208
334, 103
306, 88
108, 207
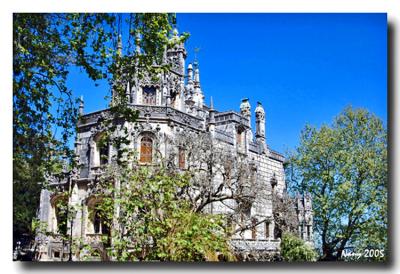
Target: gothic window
308, 232
301, 231
267, 230
274, 182
146, 150
97, 222
101, 150
149, 95
238, 138
181, 158
60, 210
100, 224
253, 229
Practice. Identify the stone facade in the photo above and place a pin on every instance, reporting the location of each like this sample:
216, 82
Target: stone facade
172, 104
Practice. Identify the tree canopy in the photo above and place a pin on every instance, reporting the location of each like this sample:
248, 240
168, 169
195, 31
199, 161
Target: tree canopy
344, 167
45, 110
154, 221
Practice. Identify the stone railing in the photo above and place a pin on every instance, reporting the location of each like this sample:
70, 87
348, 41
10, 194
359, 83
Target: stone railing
254, 147
153, 112
255, 245
231, 116
95, 239
276, 156
170, 113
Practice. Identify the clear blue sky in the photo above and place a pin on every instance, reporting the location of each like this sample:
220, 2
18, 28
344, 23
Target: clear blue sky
304, 68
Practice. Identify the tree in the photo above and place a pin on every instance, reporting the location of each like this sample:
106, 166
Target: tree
45, 110
153, 222
219, 174
344, 167
293, 249
285, 216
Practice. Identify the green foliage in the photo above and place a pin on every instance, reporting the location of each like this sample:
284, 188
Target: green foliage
44, 109
45, 113
195, 237
344, 167
156, 223
293, 249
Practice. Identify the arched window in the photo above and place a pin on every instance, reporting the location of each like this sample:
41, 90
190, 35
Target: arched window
181, 158
274, 182
267, 229
149, 95
101, 151
253, 228
60, 213
100, 224
146, 149
239, 138
97, 222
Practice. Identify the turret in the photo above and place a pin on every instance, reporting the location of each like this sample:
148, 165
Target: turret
260, 125
119, 46
245, 110
198, 93
190, 74
137, 43
176, 54
197, 78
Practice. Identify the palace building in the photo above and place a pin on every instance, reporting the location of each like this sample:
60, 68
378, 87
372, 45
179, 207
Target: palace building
169, 106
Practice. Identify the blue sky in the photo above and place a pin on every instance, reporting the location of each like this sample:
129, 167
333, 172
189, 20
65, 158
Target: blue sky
304, 68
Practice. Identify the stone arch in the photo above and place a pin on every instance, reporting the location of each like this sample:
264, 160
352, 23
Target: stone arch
97, 222
101, 149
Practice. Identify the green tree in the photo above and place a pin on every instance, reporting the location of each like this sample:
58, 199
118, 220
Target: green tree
293, 249
45, 110
154, 221
344, 167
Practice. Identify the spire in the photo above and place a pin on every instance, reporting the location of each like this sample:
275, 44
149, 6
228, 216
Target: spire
211, 121
137, 43
196, 77
190, 72
175, 36
175, 32
119, 46
81, 105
